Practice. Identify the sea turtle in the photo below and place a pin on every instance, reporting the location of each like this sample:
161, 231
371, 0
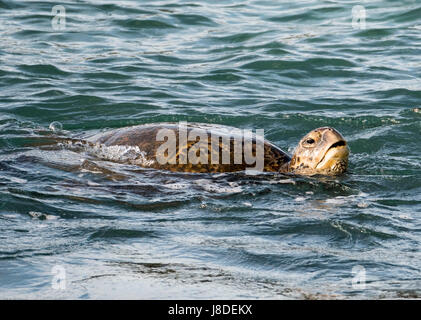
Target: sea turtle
201, 148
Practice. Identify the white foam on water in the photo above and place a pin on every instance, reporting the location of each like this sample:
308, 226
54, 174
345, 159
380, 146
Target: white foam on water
337, 200
94, 184
41, 216
177, 186
405, 217
128, 154
362, 205
10, 216
88, 170
213, 187
286, 181
17, 180
358, 200
56, 126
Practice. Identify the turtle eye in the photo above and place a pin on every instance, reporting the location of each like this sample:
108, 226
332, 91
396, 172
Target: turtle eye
310, 141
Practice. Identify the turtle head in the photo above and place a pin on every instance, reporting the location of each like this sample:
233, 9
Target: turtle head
321, 151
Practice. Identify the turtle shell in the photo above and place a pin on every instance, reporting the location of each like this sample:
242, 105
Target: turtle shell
209, 142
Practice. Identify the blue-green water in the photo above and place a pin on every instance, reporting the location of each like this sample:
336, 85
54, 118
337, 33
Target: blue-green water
118, 231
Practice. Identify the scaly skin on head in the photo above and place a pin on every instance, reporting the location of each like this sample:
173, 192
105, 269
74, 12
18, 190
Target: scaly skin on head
321, 151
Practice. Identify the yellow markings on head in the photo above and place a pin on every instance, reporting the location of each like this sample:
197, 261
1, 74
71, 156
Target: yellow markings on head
321, 151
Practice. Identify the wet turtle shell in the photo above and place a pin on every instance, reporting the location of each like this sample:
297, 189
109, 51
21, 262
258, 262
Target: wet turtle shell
144, 137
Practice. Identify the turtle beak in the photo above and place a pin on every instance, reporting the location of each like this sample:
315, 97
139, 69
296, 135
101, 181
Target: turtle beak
335, 159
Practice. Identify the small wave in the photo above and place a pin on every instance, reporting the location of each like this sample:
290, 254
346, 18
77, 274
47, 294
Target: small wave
143, 24
43, 69
406, 16
194, 20
113, 233
307, 65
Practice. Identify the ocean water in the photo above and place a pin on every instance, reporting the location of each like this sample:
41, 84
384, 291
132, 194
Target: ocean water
73, 226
